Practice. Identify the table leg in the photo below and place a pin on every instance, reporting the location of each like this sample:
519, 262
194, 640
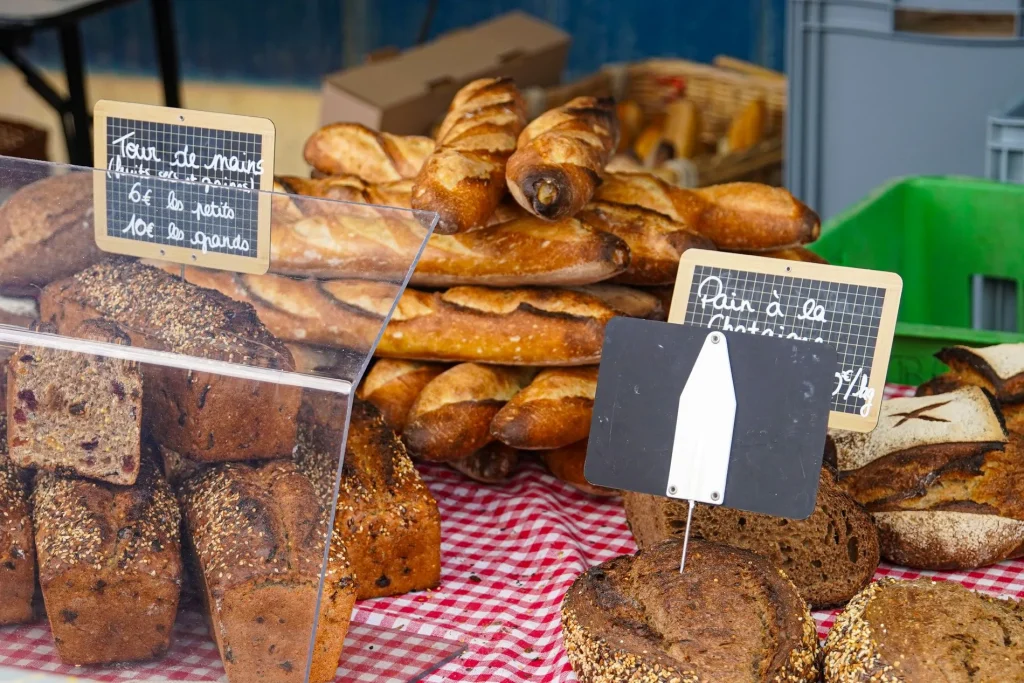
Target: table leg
167, 51
76, 118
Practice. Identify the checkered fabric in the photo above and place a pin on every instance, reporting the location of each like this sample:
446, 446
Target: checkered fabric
509, 554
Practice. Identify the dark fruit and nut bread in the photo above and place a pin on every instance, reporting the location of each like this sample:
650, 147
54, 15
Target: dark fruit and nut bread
386, 517
256, 534
17, 548
74, 412
925, 631
731, 617
203, 416
941, 478
999, 369
109, 565
829, 556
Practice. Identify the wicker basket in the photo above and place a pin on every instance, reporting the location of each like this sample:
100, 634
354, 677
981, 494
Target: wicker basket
22, 140
720, 91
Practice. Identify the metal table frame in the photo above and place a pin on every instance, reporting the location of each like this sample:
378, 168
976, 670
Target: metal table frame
17, 32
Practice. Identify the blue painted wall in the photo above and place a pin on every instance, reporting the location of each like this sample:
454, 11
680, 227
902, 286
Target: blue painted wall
297, 42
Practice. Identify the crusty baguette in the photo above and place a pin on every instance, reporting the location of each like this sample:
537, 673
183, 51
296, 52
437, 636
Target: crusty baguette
560, 155
655, 241
793, 254
392, 386
735, 216
492, 464
663, 294
354, 149
504, 326
567, 462
464, 179
553, 411
374, 245
631, 302
682, 129
631, 120
451, 417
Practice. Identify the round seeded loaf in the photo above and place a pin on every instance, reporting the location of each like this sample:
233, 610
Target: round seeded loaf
731, 617
924, 631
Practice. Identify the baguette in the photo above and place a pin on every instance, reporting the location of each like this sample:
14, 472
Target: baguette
559, 157
552, 412
393, 385
735, 216
566, 464
509, 326
354, 149
793, 254
632, 303
492, 464
682, 129
372, 245
464, 179
631, 121
451, 417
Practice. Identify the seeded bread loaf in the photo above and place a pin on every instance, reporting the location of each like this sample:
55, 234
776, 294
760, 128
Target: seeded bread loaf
392, 386
109, 565
17, 547
46, 232
204, 417
74, 412
451, 417
386, 517
940, 477
731, 617
553, 411
829, 556
257, 536
924, 631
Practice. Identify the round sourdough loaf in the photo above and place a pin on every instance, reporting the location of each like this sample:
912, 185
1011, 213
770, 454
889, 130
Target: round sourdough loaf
731, 617
924, 631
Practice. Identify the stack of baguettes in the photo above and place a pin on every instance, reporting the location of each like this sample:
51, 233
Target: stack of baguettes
492, 349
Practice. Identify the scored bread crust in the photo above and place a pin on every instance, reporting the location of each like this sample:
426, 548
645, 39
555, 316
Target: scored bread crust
352, 148
920, 631
392, 385
553, 411
638, 619
1000, 368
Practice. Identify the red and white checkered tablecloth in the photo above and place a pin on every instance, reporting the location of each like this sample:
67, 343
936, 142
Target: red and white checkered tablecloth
509, 554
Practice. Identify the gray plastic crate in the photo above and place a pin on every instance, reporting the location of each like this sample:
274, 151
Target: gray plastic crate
871, 99
1005, 152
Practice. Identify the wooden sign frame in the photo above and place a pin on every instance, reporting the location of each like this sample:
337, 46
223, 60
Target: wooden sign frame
891, 283
106, 109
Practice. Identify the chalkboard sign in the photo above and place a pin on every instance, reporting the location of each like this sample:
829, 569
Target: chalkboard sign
183, 186
850, 309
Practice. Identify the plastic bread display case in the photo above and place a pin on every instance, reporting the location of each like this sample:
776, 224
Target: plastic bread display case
170, 476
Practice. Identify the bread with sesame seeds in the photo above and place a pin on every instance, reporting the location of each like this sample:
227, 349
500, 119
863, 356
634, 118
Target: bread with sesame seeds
940, 476
386, 516
17, 547
109, 565
923, 631
731, 617
75, 412
203, 416
256, 534
829, 556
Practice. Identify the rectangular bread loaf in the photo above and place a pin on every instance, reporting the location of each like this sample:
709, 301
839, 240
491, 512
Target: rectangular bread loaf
386, 517
256, 533
109, 565
17, 548
204, 417
75, 412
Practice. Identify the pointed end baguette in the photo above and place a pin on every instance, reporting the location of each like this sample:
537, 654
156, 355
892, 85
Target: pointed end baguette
567, 465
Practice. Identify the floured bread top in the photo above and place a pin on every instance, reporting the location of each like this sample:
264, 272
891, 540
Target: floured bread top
1005, 360
964, 416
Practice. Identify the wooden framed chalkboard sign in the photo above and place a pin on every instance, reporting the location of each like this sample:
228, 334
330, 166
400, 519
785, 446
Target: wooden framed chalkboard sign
183, 186
852, 310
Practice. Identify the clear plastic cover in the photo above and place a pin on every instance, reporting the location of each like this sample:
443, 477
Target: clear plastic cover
140, 392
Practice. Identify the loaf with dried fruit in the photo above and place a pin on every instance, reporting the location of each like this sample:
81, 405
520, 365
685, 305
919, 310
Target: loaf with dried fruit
201, 415
75, 412
109, 565
17, 547
463, 181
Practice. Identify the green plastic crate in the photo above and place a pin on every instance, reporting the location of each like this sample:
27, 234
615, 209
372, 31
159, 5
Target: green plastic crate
936, 233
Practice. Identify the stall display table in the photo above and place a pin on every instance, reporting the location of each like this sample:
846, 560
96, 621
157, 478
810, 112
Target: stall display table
509, 554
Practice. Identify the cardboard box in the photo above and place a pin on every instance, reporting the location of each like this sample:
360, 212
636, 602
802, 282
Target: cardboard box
410, 92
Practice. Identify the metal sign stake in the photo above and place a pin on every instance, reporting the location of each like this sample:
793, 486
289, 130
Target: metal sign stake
686, 537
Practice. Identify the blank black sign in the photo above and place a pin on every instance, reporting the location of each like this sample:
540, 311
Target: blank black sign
219, 215
782, 412
844, 316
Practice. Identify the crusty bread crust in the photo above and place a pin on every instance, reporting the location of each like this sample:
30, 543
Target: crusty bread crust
392, 386
999, 368
352, 148
17, 548
553, 411
567, 463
